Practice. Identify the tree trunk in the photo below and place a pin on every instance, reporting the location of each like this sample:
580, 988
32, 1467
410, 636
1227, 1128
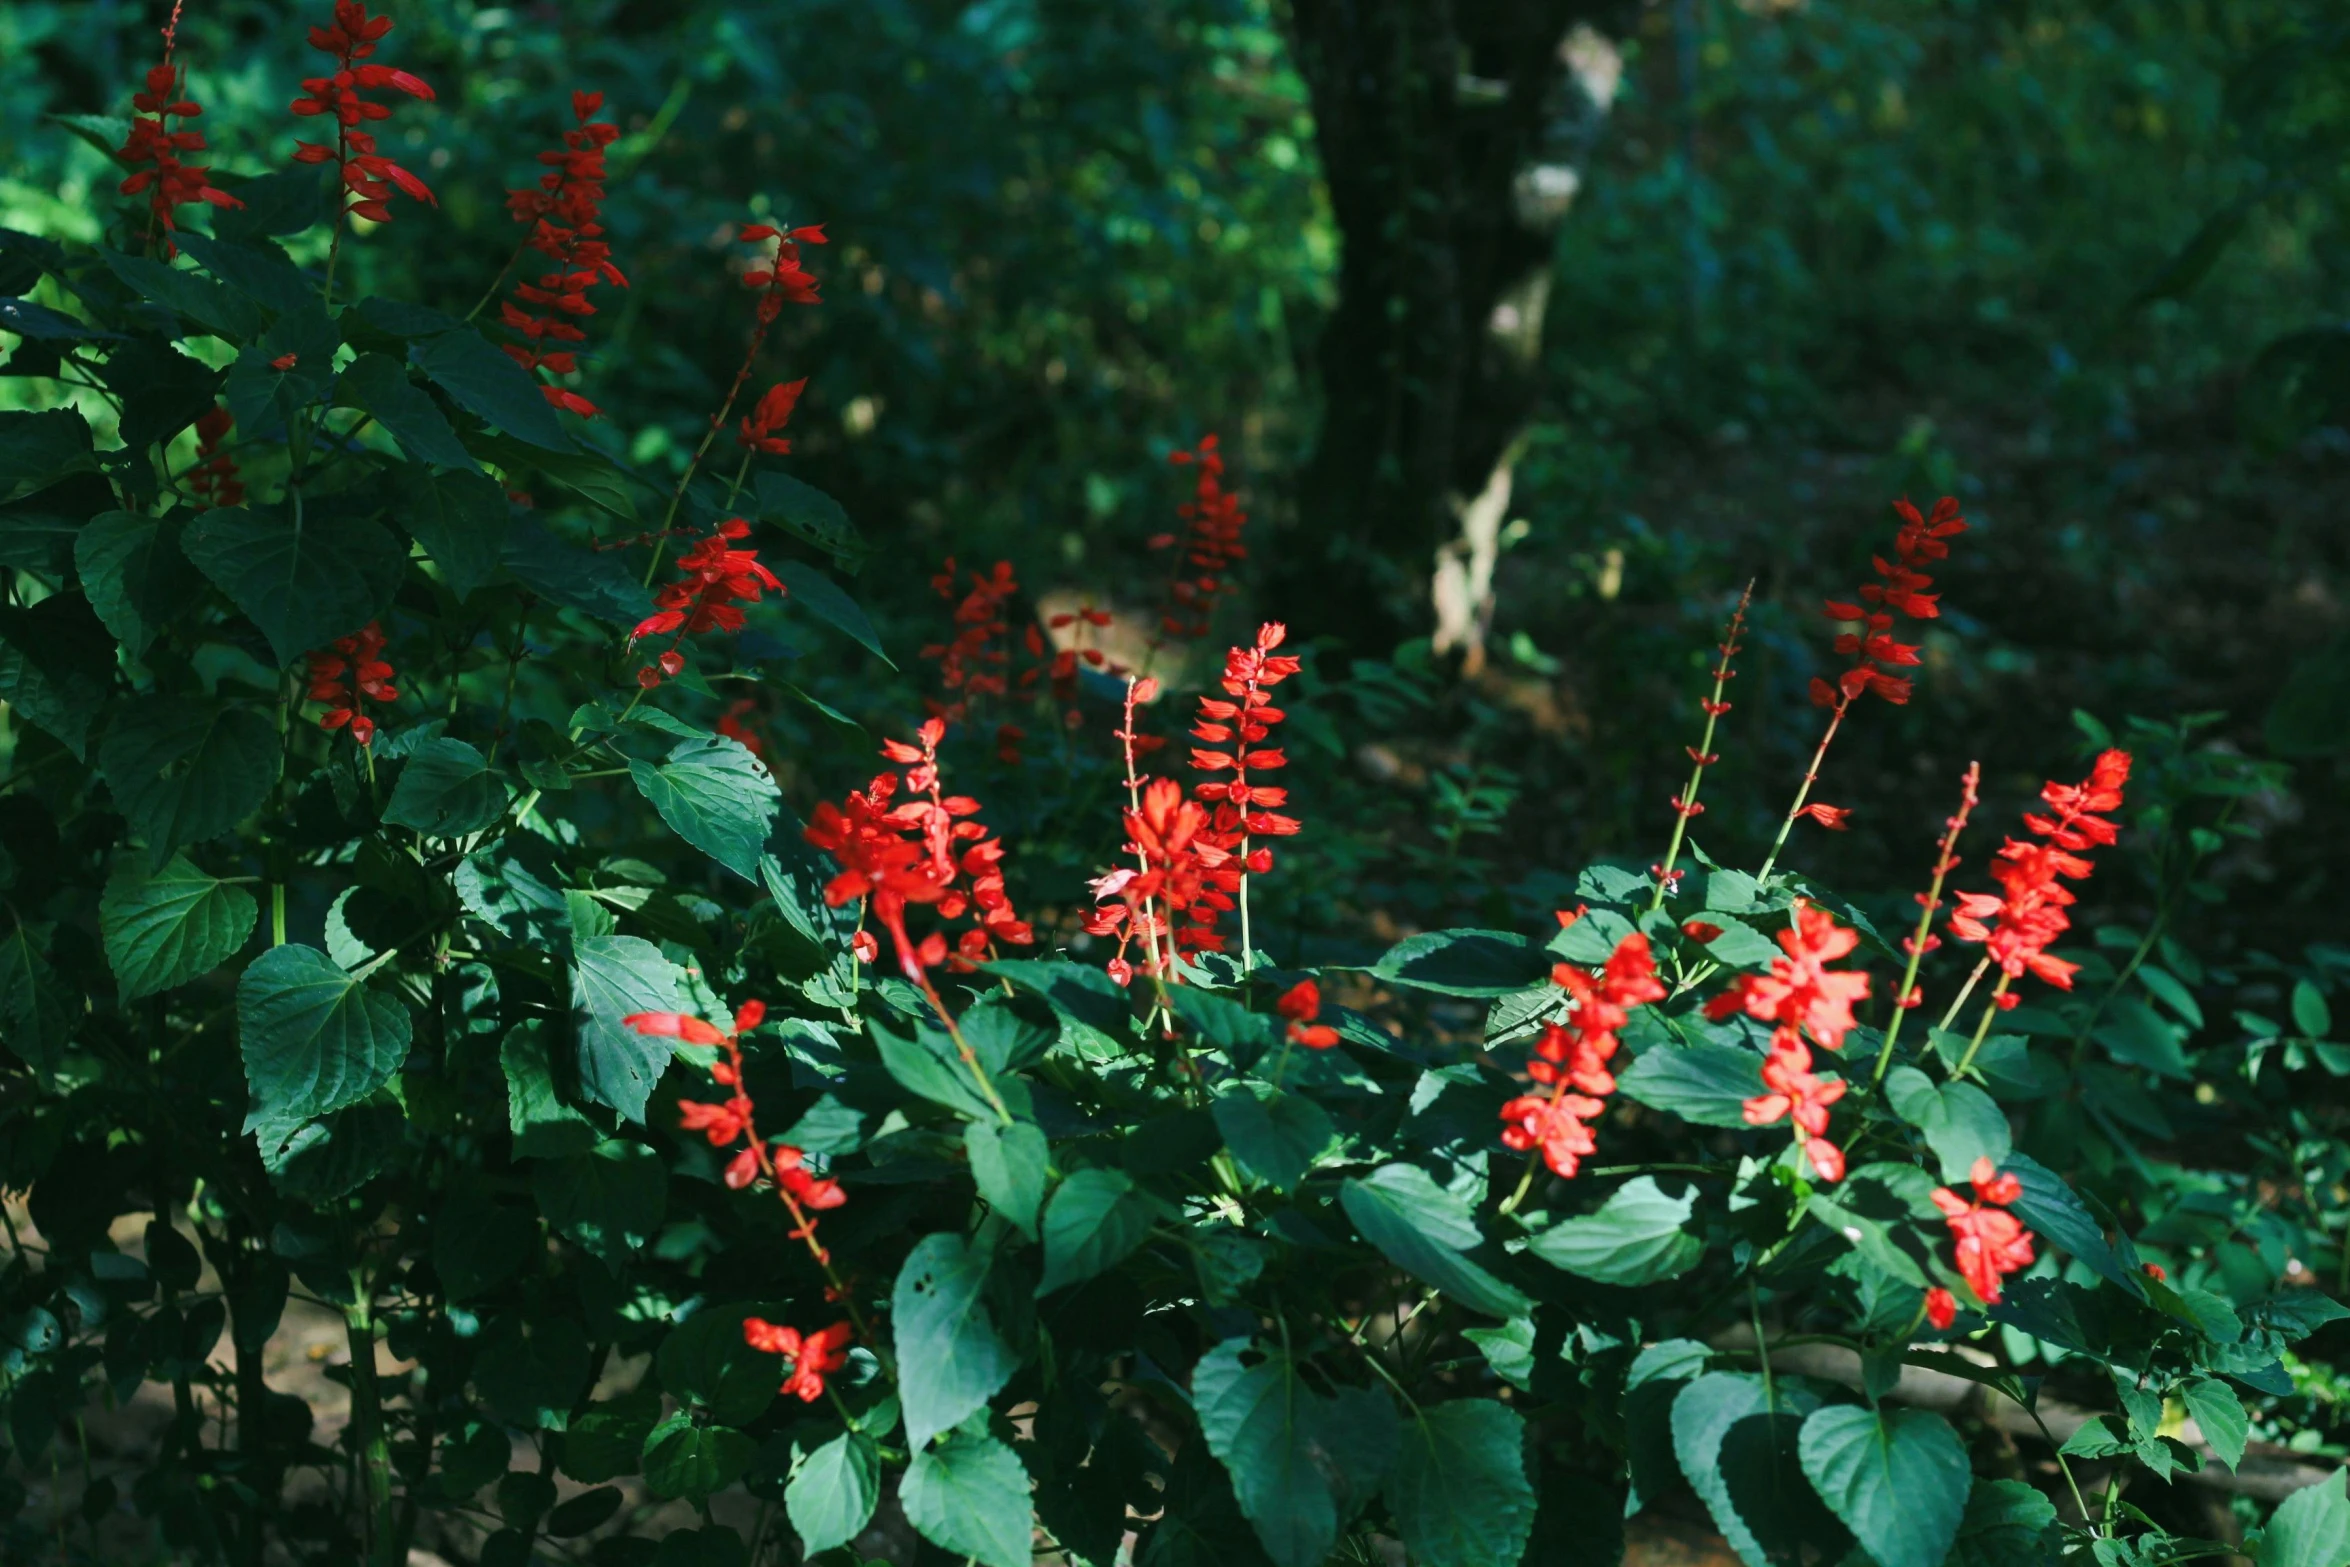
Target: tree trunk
1447, 130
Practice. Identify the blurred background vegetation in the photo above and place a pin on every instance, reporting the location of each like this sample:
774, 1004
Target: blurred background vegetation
1708, 281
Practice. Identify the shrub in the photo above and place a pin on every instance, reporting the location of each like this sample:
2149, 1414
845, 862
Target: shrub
405, 915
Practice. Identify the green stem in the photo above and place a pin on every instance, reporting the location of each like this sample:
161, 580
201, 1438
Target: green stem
1705, 748
371, 1443
277, 913
1803, 792
1990, 1011
1958, 1002
1943, 864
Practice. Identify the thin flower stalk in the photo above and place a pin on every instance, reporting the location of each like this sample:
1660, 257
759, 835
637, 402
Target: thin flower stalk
1923, 940
1701, 755
1872, 649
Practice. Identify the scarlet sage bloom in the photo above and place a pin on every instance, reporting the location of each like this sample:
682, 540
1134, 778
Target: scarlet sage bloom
1941, 1307
564, 216
729, 1121
1575, 1055
2028, 916
153, 150
812, 1357
1243, 808
1990, 1241
214, 478
1794, 1093
713, 582
976, 661
368, 177
1799, 992
355, 661
1300, 1004
757, 430
925, 850
1210, 545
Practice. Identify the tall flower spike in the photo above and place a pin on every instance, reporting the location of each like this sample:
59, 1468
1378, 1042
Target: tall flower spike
563, 215
153, 150
1873, 651
1243, 809
1990, 1241
214, 478
1209, 547
1701, 756
713, 582
1923, 940
368, 177
349, 674
1571, 1059
731, 1121
2018, 925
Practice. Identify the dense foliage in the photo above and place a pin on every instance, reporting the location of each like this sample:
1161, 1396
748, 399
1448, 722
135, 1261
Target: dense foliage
1026, 1146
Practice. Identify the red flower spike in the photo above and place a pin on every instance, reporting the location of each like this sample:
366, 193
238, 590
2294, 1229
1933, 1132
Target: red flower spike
152, 151
730, 1121
1796, 1095
368, 178
1242, 808
348, 672
1574, 1055
1990, 1241
1301, 1004
214, 478
1799, 992
2028, 916
756, 430
564, 219
713, 583
813, 1356
1210, 545
1941, 1308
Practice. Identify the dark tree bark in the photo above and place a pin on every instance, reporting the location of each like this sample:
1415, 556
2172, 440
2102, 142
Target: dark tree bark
1432, 118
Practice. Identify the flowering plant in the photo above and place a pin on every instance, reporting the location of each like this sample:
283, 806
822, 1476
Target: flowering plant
407, 932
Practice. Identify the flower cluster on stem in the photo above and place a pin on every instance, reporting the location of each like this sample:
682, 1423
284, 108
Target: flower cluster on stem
346, 675
1922, 940
1571, 1059
1242, 719
1208, 548
368, 177
563, 214
714, 581
1871, 647
1686, 805
1989, 1242
214, 479
153, 150
1800, 996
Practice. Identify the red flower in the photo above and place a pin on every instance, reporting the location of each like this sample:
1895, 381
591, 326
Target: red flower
926, 851
1798, 1095
368, 177
214, 476
1242, 808
1871, 648
353, 660
1576, 1054
152, 150
1836, 818
976, 661
1799, 992
1991, 1242
813, 1357
713, 583
564, 215
756, 431
1941, 1307
1210, 545
782, 279
2018, 928
1301, 1003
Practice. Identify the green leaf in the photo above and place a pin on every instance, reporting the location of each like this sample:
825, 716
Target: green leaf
314, 1039
2049, 1206
304, 580
135, 573
684, 1459
56, 666
478, 1243
2006, 1525
705, 1358
1960, 1122
715, 795
530, 1372
2219, 1413
36, 448
1872, 1241
609, 1440
461, 520
1459, 1488
168, 928
822, 597
810, 515
1705, 1085
1897, 1478
2311, 1015
2134, 1034
37, 1014
1277, 1137
484, 381
333, 1156
1095, 1220
1639, 1236
2310, 1528
261, 396
951, 1359
378, 384
832, 1496
1301, 1464
1509, 1350
1725, 1415
1009, 1163
609, 1200
1423, 1229
190, 296
1464, 962
590, 476
183, 771
969, 1497
544, 1127
594, 583
447, 789
928, 1065
612, 977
